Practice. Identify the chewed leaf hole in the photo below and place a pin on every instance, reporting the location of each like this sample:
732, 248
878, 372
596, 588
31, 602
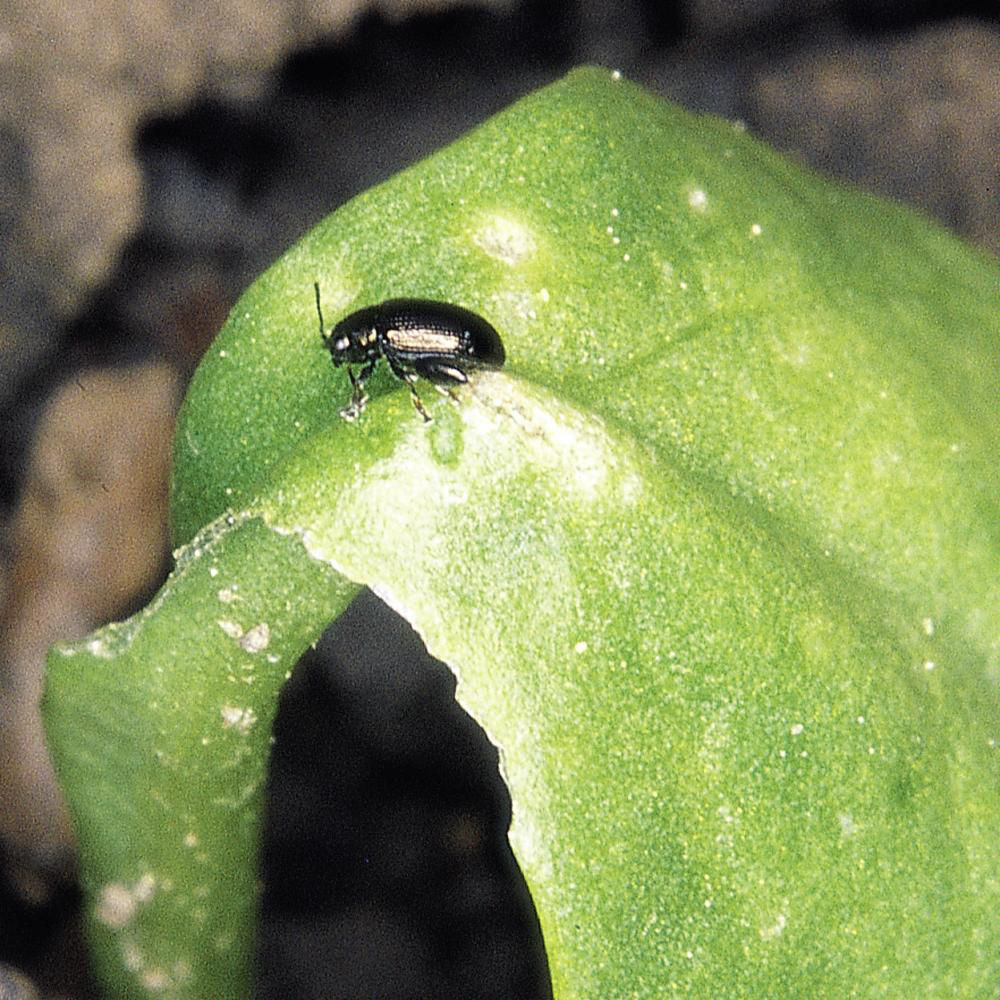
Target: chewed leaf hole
386, 866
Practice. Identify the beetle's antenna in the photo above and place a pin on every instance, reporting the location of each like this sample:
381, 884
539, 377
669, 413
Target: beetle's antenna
319, 310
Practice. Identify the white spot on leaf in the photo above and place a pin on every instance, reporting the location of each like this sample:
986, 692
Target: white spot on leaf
253, 640
256, 639
506, 240
156, 980
117, 903
847, 825
775, 929
697, 199
115, 906
234, 717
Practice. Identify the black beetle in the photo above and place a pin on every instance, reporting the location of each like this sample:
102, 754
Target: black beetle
416, 337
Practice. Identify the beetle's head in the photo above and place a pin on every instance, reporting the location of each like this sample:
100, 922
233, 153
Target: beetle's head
351, 342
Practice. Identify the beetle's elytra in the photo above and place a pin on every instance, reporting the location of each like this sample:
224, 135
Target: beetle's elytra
435, 340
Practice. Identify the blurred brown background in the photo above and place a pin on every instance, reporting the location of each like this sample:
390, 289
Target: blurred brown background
156, 156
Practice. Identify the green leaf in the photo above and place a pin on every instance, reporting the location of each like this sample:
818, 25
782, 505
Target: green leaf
714, 558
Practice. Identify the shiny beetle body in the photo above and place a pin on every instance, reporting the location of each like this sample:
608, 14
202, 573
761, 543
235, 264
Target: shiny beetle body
417, 337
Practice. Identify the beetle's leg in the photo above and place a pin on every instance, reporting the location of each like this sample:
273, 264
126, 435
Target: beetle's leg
440, 373
445, 391
351, 411
359, 398
410, 379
